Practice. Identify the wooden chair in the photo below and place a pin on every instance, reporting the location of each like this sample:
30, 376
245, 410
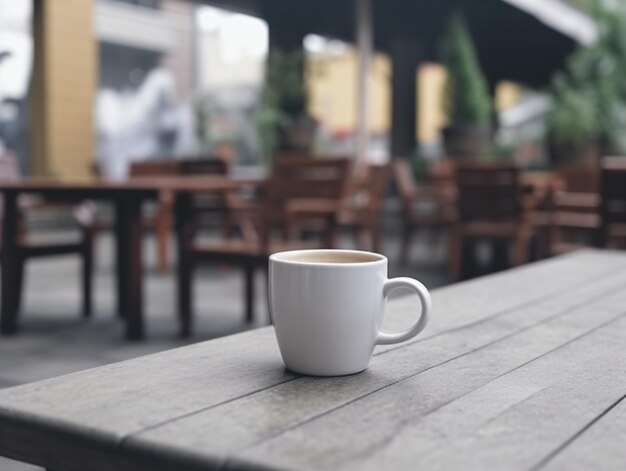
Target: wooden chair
37, 245
211, 209
612, 231
299, 190
362, 212
491, 205
570, 218
437, 194
161, 222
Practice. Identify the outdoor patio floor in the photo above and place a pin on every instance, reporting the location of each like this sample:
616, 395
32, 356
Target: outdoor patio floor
55, 340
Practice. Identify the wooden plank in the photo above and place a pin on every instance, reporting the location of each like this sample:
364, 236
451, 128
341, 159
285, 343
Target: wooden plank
378, 421
109, 404
87, 413
119, 398
518, 419
599, 446
249, 420
462, 304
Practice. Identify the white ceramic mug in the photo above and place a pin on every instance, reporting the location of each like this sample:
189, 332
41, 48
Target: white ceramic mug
327, 307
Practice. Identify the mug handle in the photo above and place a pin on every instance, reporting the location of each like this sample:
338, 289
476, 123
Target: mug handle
421, 291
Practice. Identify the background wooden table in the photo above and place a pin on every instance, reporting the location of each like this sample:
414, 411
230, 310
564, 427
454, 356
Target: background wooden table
521, 370
127, 198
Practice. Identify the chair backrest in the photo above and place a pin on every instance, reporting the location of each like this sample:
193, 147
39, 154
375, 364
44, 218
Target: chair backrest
404, 180
580, 178
377, 182
302, 178
489, 192
154, 168
324, 178
9, 169
185, 166
9, 172
204, 166
442, 178
613, 193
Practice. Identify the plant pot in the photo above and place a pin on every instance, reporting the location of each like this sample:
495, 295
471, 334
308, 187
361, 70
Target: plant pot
299, 135
561, 154
467, 141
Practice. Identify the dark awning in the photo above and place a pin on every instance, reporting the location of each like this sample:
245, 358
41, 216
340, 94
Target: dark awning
519, 40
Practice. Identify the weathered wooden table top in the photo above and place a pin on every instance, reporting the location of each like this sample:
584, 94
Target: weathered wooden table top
520, 370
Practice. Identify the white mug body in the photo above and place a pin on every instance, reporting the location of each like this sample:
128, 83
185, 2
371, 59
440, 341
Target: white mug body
328, 315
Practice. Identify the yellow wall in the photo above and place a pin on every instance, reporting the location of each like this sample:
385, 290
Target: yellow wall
332, 89
63, 89
430, 95
332, 82
508, 94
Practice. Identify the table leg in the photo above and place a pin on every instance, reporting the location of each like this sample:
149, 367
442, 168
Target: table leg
163, 230
128, 232
501, 258
184, 236
8, 321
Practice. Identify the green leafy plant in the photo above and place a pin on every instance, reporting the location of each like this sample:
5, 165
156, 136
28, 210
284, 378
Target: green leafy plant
284, 98
203, 131
589, 96
573, 121
467, 99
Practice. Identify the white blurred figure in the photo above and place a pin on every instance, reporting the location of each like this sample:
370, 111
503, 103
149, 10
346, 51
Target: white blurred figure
139, 124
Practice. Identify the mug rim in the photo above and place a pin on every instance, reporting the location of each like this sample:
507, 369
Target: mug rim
280, 257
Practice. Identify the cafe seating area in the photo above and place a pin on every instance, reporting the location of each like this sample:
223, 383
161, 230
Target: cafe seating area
306, 202
485, 216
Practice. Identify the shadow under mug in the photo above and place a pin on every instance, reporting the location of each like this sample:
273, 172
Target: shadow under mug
327, 307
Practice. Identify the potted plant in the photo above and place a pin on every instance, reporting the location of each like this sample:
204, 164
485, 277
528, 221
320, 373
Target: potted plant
283, 122
467, 100
588, 114
573, 125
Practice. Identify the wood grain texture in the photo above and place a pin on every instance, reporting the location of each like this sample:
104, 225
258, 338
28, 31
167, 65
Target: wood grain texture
390, 416
246, 421
599, 446
500, 354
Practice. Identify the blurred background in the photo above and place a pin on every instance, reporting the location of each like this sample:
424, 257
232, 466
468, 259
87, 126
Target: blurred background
473, 133
120, 81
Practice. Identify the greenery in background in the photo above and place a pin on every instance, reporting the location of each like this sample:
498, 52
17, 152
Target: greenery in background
203, 131
467, 99
589, 96
587, 5
284, 98
419, 164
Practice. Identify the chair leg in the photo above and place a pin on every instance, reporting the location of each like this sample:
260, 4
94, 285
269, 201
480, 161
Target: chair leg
163, 231
364, 238
185, 294
405, 244
87, 273
19, 283
267, 291
185, 229
331, 233
376, 240
249, 291
520, 251
455, 255
501, 260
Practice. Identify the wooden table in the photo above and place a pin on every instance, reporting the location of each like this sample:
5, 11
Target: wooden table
521, 370
127, 198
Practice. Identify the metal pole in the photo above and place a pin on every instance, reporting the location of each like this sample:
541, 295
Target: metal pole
364, 40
